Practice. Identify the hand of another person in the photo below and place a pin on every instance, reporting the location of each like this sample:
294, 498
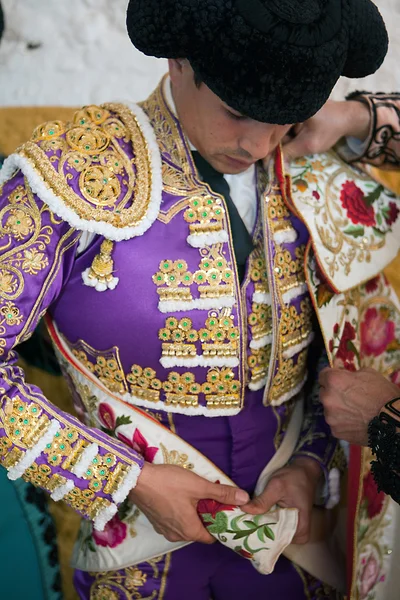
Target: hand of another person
351, 400
293, 486
168, 496
332, 122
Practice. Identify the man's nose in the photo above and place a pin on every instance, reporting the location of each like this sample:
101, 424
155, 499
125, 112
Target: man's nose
260, 139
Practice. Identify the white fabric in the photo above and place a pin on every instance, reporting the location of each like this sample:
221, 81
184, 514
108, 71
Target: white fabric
242, 185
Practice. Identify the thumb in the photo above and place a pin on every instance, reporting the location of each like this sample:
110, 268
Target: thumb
227, 494
264, 502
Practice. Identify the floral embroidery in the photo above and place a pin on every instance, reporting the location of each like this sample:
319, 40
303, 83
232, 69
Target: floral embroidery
374, 500
19, 224
377, 332
11, 314
356, 205
113, 535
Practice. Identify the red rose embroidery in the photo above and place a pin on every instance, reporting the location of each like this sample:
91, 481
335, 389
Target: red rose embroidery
377, 332
372, 285
345, 351
212, 507
374, 498
352, 199
113, 534
392, 214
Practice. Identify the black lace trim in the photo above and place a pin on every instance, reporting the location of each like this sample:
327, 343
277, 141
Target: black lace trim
384, 440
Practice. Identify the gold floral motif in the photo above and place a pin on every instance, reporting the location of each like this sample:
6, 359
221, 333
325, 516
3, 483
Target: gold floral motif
60, 446
173, 457
34, 261
102, 267
48, 131
214, 279
11, 314
132, 583
296, 326
258, 362
219, 337
24, 423
106, 366
290, 271
19, 224
260, 320
93, 149
290, 375
205, 214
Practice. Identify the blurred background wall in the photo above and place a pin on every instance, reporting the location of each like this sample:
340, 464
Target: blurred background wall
73, 52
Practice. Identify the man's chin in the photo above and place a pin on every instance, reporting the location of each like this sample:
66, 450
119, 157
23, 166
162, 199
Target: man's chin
231, 166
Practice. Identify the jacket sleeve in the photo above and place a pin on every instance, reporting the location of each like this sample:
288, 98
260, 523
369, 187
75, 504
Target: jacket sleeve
316, 440
382, 146
53, 450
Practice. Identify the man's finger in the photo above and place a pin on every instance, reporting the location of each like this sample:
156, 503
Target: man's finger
226, 494
263, 503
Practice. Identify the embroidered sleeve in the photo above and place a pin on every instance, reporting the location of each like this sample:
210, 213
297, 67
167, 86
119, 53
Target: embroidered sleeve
382, 147
53, 450
316, 440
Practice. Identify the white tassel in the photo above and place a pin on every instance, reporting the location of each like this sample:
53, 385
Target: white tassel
200, 240
285, 236
31, 455
262, 298
62, 490
105, 515
334, 488
294, 293
98, 285
199, 361
289, 394
85, 460
265, 340
129, 483
171, 306
291, 351
257, 385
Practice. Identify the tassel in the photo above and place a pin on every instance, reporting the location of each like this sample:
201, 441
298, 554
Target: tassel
100, 274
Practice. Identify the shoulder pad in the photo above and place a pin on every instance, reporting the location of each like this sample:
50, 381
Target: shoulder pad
101, 172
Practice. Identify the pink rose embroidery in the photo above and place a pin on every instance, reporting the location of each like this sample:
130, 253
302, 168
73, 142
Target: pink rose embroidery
113, 534
377, 332
140, 444
392, 213
369, 576
372, 285
346, 347
107, 416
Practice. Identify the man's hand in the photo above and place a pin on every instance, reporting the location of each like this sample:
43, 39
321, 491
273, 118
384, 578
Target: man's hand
332, 122
294, 486
351, 400
168, 496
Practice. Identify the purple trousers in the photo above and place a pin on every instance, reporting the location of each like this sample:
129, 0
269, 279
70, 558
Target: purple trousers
241, 446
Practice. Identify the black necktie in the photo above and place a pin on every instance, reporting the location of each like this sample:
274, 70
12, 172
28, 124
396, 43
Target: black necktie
242, 242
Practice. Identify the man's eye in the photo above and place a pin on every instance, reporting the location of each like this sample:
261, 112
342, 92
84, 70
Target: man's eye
235, 116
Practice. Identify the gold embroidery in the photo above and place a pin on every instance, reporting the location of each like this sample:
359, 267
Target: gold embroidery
20, 220
102, 267
24, 423
93, 149
290, 271
258, 362
214, 278
288, 376
146, 581
296, 327
219, 337
205, 214
116, 476
60, 446
173, 457
106, 366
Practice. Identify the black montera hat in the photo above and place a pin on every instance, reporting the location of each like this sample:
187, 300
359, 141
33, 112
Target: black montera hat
275, 61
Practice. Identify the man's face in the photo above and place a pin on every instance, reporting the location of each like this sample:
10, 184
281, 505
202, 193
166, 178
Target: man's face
230, 142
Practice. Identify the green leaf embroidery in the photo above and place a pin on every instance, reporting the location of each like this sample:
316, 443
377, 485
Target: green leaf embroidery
378, 232
122, 420
269, 533
260, 534
220, 524
374, 195
355, 230
249, 524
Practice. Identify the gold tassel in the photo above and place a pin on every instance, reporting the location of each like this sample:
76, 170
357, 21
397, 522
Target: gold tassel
100, 274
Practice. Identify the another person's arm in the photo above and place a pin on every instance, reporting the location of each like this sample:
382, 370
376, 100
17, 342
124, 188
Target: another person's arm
369, 122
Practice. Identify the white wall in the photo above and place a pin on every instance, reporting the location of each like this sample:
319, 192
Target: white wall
85, 56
